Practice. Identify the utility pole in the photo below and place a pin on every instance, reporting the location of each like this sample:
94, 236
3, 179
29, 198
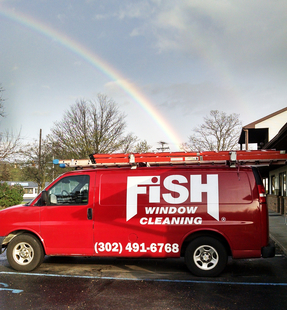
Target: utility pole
39, 161
163, 147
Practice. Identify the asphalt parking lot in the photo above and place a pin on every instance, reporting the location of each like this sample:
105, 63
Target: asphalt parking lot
110, 283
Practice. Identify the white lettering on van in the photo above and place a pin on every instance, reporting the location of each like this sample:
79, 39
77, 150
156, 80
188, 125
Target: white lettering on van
211, 188
170, 210
135, 187
171, 221
176, 188
138, 185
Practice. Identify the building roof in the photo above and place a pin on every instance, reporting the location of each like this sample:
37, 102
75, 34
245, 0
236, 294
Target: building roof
264, 129
252, 125
23, 184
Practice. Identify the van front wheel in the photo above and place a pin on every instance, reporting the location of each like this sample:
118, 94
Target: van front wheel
206, 257
25, 252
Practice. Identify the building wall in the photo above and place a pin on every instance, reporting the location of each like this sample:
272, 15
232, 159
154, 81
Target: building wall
275, 181
276, 198
277, 204
272, 203
274, 124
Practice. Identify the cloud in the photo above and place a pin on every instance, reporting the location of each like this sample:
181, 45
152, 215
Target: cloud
138, 9
114, 89
187, 97
102, 16
78, 63
242, 35
62, 18
136, 32
41, 113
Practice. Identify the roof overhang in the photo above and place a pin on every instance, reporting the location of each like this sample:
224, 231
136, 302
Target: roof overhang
254, 135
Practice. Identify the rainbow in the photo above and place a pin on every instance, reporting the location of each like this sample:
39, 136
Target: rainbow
93, 59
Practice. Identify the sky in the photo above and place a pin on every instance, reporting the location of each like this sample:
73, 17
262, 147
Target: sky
166, 63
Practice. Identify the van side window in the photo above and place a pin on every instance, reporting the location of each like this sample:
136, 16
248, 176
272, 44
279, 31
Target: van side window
71, 190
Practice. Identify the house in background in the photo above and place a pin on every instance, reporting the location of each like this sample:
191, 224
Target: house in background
30, 189
270, 132
263, 130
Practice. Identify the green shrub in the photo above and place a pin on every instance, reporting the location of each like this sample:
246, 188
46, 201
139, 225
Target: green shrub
10, 195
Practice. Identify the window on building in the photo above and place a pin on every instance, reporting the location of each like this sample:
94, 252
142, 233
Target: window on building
282, 184
265, 183
273, 183
28, 190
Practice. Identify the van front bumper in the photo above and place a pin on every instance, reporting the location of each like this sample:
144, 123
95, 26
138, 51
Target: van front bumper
268, 251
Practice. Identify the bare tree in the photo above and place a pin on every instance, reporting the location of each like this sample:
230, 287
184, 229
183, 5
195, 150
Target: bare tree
128, 143
142, 147
219, 132
131, 144
9, 143
89, 127
36, 164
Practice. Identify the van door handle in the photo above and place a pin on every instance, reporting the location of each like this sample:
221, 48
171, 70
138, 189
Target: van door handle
90, 213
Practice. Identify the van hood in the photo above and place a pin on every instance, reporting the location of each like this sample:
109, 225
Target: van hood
13, 207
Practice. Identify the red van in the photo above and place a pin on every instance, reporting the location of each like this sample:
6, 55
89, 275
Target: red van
203, 213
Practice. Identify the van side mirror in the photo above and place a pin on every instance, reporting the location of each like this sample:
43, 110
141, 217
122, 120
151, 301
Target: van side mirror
44, 198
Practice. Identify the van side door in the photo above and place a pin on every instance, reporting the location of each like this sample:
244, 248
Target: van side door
67, 217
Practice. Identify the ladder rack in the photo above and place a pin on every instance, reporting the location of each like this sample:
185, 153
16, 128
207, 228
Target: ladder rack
133, 160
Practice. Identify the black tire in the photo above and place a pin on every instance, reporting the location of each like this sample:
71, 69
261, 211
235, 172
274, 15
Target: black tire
25, 252
206, 257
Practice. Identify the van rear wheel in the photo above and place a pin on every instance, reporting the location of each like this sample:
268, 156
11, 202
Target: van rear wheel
25, 252
206, 257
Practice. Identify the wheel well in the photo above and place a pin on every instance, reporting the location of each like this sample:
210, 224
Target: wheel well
205, 233
13, 234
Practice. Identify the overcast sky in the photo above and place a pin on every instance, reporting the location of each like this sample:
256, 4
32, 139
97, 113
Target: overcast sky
166, 63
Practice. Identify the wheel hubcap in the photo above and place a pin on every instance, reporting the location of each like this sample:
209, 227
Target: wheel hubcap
205, 257
23, 253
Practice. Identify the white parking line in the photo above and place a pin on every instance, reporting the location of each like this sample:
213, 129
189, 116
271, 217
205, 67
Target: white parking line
147, 279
